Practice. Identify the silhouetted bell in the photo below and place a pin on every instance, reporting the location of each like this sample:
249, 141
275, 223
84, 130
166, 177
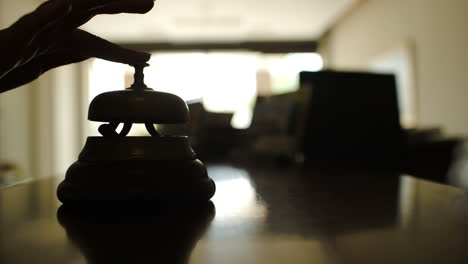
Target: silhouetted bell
117, 168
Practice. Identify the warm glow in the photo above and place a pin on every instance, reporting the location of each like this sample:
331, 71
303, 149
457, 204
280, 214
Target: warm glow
225, 81
235, 196
236, 201
105, 76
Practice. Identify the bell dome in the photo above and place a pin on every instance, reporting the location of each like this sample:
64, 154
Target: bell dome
138, 104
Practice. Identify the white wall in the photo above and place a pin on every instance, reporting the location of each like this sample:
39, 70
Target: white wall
41, 122
15, 129
68, 116
15, 106
436, 29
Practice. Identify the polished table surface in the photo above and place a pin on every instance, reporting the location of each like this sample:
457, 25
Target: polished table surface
258, 215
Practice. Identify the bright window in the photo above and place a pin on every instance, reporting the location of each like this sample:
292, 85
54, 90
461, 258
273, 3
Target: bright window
225, 81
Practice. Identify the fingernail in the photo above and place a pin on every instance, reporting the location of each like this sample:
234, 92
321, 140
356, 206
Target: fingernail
140, 57
145, 56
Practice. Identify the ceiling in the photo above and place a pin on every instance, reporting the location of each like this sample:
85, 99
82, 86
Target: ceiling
222, 21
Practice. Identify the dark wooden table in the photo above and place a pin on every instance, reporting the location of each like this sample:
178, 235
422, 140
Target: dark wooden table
258, 215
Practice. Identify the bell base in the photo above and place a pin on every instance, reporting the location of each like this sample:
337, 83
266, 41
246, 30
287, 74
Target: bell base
136, 182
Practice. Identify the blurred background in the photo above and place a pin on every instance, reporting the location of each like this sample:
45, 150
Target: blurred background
237, 64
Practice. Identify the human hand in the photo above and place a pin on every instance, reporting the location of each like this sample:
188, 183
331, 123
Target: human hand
48, 37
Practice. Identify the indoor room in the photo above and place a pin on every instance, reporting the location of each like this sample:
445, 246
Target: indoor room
318, 131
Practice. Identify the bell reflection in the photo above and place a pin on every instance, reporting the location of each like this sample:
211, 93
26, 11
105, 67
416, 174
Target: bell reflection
162, 235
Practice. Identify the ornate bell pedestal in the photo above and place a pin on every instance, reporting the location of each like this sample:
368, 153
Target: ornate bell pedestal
116, 168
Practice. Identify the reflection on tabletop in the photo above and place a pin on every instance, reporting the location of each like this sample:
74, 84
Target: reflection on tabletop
136, 235
330, 215
263, 215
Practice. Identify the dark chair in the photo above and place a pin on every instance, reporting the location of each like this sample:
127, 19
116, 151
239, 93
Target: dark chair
351, 117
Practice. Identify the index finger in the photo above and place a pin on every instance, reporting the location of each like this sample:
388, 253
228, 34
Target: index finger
77, 12
84, 10
54, 18
114, 6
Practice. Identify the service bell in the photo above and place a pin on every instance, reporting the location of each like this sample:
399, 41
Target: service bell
118, 168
